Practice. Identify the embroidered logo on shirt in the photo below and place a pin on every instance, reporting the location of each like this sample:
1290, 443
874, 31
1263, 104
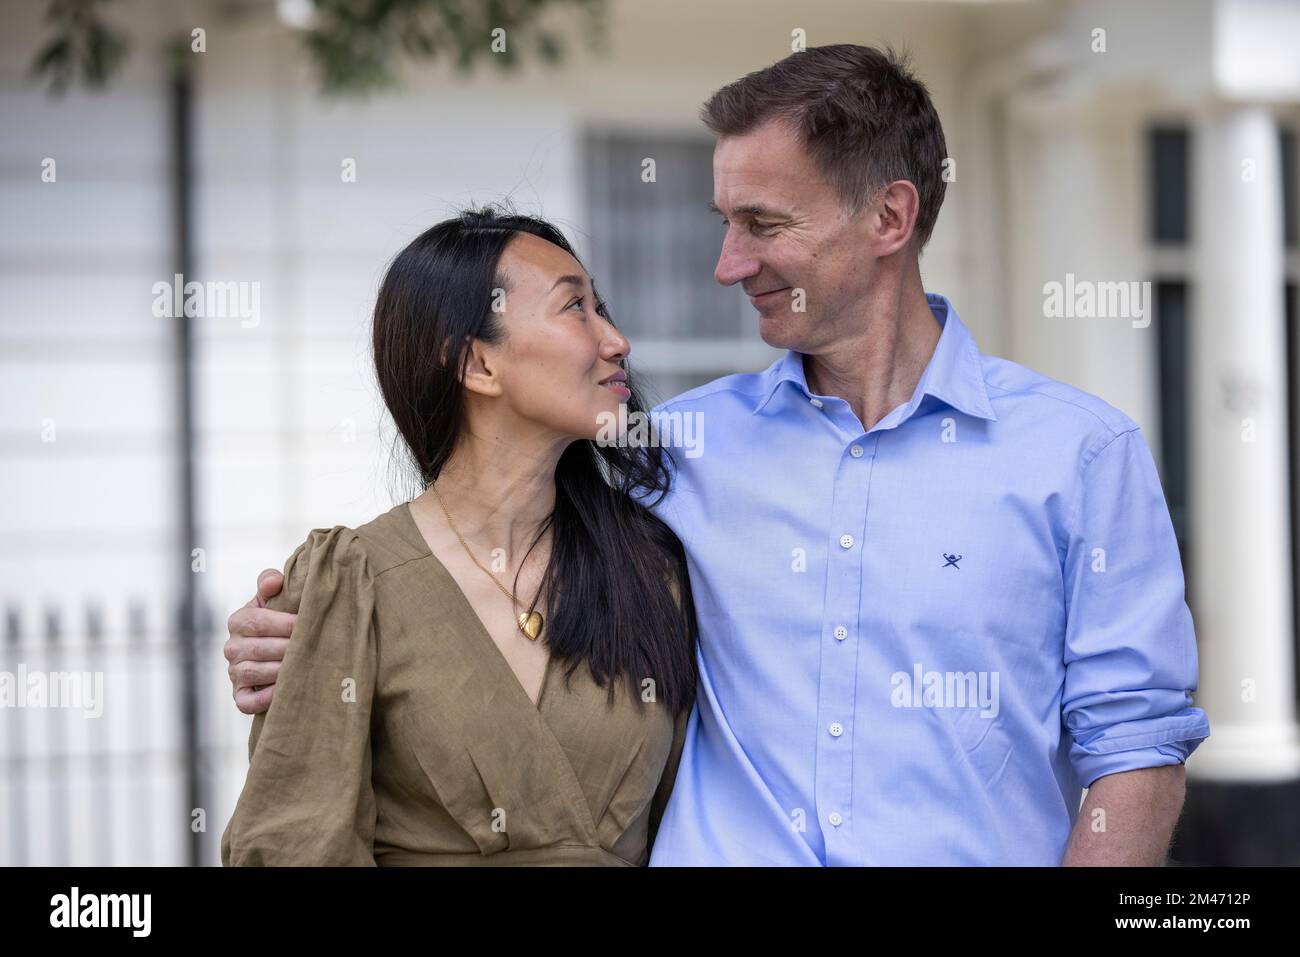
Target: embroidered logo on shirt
953, 560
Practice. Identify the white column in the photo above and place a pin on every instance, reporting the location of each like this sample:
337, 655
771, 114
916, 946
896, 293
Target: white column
1241, 563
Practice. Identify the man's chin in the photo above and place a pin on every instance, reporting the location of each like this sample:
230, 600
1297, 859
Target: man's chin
779, 330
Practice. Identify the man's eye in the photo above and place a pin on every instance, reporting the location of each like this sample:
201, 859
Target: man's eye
762, 226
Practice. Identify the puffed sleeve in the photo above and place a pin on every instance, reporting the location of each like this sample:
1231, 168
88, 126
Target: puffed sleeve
308, 798
1130, 648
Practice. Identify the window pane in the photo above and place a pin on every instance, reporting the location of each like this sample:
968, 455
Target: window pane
1172, 333
1168, 149
1293, 437
654, 245
1289, 212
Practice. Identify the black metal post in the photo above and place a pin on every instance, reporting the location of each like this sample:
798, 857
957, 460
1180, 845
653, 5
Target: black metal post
182, 224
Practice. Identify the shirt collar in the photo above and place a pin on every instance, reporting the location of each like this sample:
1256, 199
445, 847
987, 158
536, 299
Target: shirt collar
953, 375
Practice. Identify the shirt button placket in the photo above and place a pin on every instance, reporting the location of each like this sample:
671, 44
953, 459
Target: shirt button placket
835, 765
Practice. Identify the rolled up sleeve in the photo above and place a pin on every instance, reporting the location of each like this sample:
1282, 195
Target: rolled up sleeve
1130, 647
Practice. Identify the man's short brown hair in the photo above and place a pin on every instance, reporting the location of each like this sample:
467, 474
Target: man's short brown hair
865, 119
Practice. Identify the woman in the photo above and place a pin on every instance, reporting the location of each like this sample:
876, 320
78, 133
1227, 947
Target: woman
499, 671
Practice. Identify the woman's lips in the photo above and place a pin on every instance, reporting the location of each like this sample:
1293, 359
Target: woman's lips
618, 387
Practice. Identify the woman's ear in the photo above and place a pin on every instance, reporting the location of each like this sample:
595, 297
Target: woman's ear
481, 369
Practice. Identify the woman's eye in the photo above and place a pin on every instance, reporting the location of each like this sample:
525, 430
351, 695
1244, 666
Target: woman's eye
578, 302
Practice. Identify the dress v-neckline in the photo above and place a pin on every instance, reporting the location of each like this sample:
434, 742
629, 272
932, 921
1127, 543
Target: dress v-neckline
473, 615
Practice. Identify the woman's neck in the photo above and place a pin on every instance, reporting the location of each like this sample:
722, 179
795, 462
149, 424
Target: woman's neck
500, 492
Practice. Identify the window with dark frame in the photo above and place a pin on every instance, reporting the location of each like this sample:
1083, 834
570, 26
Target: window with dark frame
1169, 163
653, 249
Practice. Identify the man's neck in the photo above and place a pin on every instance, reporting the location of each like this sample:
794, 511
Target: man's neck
877, 369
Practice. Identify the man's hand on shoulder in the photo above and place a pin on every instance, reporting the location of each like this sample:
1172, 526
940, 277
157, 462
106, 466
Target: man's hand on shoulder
258, 637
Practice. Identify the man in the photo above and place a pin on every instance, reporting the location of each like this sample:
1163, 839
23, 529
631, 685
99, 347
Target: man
939, 594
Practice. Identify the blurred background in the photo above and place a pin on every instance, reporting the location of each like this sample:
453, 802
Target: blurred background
280, 153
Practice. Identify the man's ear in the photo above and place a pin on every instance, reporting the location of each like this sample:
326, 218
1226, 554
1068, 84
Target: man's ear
897, 207
481, 369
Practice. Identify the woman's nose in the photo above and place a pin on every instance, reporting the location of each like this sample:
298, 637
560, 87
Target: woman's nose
615, 345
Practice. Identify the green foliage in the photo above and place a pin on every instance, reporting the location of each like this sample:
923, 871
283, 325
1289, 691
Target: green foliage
83, 47
356, 45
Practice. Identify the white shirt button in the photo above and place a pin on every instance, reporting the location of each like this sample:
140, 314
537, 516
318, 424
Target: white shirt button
837, 729
846, 541
855, 451
841, 632
835, 818
816, 402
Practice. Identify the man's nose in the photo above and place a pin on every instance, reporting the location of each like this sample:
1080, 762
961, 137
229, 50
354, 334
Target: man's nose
734, 265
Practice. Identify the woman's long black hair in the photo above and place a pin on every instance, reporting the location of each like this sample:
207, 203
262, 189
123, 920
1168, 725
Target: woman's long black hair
614, 566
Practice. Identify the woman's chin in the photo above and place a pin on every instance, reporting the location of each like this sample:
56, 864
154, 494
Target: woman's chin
610, 420
612, 401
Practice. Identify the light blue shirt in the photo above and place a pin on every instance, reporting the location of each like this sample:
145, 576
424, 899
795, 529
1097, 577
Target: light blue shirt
920, 641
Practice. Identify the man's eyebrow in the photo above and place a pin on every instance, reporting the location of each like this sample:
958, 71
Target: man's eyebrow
570, 280
747, 209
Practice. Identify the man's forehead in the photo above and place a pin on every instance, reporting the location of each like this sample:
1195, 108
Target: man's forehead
775, 141
761, 172
758, 153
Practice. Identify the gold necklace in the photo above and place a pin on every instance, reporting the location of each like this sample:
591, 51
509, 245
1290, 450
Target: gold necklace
529, 624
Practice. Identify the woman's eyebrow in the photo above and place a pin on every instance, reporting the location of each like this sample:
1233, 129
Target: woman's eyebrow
569, 280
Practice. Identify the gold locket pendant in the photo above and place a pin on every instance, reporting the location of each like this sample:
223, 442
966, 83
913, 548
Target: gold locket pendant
530, 625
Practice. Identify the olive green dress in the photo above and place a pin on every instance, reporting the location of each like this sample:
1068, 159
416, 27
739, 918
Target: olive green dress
399, 734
